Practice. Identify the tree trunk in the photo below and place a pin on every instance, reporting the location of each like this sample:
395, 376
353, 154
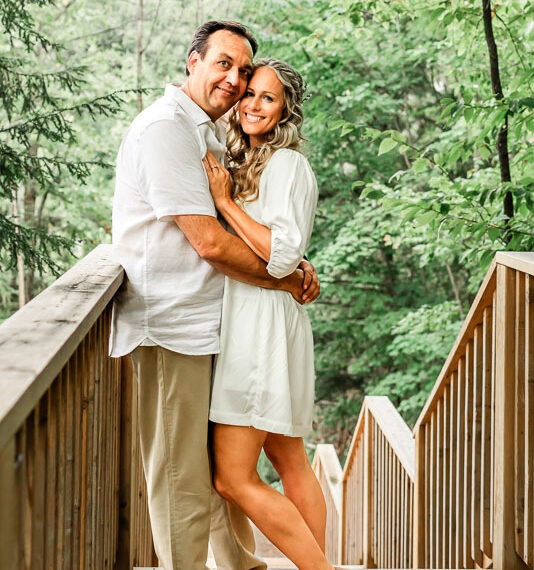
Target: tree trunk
20, 259
502, 139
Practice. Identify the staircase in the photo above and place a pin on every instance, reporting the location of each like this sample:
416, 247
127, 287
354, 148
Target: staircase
458, 490
455, 492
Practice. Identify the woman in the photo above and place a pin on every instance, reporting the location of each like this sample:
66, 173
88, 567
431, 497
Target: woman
263, 383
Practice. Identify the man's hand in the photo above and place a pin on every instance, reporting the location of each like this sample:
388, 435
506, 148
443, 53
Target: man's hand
311, 287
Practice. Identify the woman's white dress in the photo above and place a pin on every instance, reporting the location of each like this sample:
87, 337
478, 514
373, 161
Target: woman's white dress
264, 375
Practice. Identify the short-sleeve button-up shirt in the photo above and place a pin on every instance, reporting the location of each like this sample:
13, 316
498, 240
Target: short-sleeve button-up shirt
171, 297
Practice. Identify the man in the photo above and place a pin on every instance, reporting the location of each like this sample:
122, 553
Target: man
175, 252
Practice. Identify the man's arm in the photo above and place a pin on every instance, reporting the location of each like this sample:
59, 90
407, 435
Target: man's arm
230, 255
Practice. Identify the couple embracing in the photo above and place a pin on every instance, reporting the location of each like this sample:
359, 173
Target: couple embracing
184, 270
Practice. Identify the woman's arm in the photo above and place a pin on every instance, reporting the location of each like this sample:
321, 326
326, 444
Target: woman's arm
255, 235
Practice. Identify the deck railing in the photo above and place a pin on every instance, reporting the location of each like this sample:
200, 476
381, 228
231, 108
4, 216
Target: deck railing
328, 470
378, 478
72, 494
470, 500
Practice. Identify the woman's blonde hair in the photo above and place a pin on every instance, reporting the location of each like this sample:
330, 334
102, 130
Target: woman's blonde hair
245, 163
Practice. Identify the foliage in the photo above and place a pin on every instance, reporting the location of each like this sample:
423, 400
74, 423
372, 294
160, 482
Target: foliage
43, 97
401, 124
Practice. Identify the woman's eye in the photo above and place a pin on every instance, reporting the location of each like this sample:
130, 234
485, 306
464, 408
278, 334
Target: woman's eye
268, 98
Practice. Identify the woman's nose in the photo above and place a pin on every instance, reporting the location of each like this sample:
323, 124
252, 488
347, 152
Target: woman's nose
254, 102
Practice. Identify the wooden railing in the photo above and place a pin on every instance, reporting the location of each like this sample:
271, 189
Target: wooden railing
469, 501
378, 477
72, 493
328, 470
474, 438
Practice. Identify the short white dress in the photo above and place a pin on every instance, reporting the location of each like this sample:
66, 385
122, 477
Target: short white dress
264, 375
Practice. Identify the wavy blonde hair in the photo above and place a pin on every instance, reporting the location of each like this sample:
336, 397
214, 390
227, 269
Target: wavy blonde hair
246, 163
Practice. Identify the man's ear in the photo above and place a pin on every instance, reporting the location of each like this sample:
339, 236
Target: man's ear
192, 60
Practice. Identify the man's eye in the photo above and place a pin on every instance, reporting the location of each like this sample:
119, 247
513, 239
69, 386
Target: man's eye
224, 63
248, 94
245, 73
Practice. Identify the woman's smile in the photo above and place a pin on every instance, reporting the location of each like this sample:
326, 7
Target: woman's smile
262, 104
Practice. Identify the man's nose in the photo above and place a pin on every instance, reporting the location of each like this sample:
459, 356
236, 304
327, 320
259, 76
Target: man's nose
232, 76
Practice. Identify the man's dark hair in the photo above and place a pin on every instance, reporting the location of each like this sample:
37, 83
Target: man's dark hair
200, 41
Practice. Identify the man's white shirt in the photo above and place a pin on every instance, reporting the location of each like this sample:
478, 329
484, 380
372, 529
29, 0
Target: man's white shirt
171, 297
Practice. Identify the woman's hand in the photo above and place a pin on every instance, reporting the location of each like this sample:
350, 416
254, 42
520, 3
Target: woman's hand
311, 286
219, 179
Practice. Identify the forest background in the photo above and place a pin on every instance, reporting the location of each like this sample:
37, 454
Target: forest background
419, 127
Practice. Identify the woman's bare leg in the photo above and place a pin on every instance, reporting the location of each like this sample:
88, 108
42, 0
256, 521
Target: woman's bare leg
289, 458
236, 451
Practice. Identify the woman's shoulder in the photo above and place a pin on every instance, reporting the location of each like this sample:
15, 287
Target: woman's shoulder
288, 156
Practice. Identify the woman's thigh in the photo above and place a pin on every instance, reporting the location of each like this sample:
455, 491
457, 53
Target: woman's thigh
235, 451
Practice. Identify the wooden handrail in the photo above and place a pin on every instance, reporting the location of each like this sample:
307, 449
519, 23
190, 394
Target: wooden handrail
471, 437
37, 341
378, 482
328, 471
468, 485
72, 493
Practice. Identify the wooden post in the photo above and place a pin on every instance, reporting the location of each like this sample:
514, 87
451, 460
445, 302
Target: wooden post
368, 514
504, 555
11, 535
419, 514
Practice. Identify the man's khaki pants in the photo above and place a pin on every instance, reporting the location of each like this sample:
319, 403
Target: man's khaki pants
174, 392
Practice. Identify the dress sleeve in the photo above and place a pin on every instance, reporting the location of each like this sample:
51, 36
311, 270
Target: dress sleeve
290, 201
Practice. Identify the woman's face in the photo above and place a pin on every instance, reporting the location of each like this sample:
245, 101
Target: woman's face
262, 105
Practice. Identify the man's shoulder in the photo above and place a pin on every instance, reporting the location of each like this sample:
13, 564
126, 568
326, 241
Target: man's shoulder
166, 114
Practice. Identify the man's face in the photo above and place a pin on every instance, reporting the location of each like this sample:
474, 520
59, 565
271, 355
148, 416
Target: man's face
219, 80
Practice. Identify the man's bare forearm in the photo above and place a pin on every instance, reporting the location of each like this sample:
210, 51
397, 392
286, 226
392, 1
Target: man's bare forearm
230, 255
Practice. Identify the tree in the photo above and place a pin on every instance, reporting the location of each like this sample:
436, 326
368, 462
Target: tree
37, 131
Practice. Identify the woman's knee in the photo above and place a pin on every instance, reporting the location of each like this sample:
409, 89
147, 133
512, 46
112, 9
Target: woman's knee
223, 485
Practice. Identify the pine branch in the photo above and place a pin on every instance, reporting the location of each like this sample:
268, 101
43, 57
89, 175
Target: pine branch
36, 246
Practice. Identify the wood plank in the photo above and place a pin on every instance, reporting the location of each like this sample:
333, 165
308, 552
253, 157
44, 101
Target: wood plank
11, 537
420, 514
446, 481
438, 523
52, 402
453, 444
76, 369
529, 418
486, 490
69, 465
519, 427
476, 477
468, 457
369, 494
46, 331
432, 491
60, 484
460, 480
522, 261
504, 555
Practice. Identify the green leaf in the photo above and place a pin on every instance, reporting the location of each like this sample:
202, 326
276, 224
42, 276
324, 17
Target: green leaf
386, 145
420, 165
494, 233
